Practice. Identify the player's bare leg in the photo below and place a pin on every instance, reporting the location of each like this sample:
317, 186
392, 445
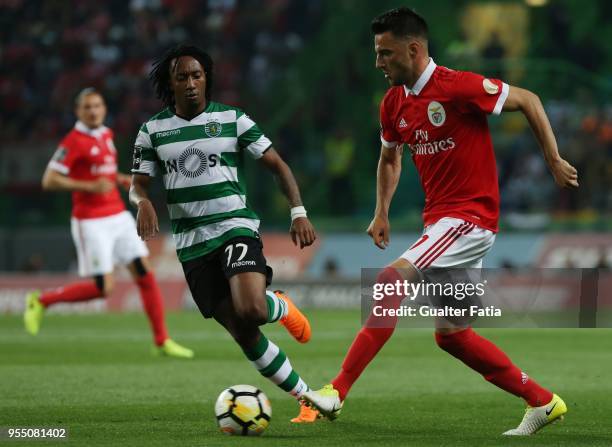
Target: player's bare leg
248, 290
241, 316
153, 305
368, 342
276, 306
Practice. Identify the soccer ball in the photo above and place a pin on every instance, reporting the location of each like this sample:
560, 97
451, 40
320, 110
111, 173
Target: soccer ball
243, 410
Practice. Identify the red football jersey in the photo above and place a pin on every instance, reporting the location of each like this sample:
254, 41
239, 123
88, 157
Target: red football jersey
443, 122
87, 154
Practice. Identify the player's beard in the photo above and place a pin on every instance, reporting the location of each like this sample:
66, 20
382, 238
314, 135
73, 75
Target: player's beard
399, 78
397, 81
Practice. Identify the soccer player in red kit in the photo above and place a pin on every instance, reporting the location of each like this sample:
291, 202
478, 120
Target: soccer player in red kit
441, 117
103, 231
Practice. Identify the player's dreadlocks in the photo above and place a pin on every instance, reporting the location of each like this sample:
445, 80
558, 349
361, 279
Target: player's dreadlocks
160, 74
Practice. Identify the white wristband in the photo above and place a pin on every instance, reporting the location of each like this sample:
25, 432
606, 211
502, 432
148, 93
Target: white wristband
297, 211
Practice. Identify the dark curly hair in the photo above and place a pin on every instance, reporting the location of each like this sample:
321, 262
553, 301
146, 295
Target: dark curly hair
160, 74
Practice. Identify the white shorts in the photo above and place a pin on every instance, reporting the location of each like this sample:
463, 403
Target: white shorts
104, 242
450, 242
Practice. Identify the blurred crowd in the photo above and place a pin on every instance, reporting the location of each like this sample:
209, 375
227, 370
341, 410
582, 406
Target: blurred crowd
51, 49
584, 137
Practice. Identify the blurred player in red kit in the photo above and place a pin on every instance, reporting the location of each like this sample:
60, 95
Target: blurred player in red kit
104, 233
441, 117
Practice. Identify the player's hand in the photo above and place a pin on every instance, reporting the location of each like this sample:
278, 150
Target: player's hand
566, 176
302, 231
379, 231
101, 185
146, 220
125, 181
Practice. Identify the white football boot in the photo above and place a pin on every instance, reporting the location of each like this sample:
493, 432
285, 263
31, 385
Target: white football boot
326, 400
537, 417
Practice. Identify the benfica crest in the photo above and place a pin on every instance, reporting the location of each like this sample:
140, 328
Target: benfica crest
436, 113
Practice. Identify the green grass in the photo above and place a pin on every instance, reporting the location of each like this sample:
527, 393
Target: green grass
95, 376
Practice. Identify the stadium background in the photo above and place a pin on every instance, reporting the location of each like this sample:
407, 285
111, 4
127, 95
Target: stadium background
304, 70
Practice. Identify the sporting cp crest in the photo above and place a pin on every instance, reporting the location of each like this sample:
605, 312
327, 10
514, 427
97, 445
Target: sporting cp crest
436, 113
213, 128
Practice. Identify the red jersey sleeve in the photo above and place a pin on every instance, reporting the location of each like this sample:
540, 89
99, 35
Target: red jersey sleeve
479, 93
65, 156
388, 135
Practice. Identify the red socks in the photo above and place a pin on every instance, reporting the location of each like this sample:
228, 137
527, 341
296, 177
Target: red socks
87, 290
483, 356
370, 339
153, 305
366, 345
79, 291
475, 351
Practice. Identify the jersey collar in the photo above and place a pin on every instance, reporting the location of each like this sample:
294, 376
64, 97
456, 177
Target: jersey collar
96, 133
208, 109
423, 79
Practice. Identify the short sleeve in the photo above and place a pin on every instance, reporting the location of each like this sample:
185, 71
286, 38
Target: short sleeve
388, 135
64, 157
145, 160
250, 136
480, 93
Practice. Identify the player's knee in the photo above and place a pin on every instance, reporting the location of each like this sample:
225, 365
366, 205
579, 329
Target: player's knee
388, 275
253, 310
448, 339
105, 284
442, 340
140, 267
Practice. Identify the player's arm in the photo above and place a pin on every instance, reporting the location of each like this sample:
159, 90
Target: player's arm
57, 178
124, 180
144, 168
387, 178
54, 180
301, 228
529, 103
146, 218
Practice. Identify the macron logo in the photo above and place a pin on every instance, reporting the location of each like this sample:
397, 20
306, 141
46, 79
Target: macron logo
402, 123
242, 263
168, 133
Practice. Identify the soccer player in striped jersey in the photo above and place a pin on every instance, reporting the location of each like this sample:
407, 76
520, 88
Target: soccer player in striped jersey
441, 116
198, 147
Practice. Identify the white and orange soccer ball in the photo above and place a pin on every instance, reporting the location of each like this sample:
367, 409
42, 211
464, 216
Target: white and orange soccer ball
243, 410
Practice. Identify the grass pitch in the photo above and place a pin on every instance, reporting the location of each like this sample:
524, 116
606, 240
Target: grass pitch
94, 375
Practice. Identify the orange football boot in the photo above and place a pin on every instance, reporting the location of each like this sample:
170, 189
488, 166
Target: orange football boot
307, 415
295, 322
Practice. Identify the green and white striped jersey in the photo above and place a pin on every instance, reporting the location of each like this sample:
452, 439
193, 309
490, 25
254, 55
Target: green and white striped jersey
201, 162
